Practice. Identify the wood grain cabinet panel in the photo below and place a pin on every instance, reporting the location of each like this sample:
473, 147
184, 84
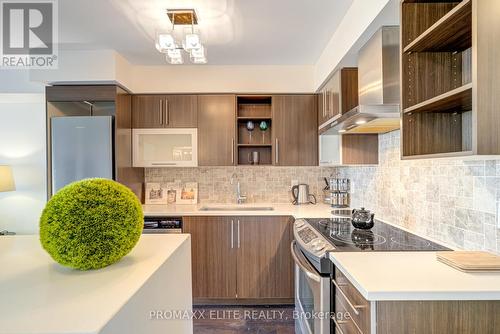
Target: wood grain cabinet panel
295, 130
216, 130
265, 265
241, 258
181, 111
147, 111
165, 111
412, 316
213, 258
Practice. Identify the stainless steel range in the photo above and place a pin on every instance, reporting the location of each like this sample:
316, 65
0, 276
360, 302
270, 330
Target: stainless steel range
314, 272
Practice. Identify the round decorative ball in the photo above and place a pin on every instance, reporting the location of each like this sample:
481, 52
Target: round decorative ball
91, 224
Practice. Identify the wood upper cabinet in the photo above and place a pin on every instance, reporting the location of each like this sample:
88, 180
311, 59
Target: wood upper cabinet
295, 130
165, 111
216, 130
213, 256
241, 257
147, 111
265, 265
338, 95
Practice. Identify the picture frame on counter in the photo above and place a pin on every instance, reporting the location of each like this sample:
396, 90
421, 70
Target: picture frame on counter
172, 193
155, 194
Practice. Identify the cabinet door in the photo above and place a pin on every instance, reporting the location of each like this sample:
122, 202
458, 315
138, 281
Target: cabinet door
321, 107
213, 256
216, 130
265, 265
349, 89
181, 111
295, 130
334, 96
147, 111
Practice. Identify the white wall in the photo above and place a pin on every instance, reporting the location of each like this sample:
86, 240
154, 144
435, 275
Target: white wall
22, 145
222, 79
361, 21
97, 65
109, 66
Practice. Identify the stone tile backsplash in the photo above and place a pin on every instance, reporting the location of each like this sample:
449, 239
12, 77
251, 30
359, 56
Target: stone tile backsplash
258, 183
452, 200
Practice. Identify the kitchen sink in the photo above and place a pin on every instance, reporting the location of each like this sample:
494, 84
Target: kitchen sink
236, 208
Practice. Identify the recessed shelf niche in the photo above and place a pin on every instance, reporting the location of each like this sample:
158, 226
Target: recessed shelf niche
256, 110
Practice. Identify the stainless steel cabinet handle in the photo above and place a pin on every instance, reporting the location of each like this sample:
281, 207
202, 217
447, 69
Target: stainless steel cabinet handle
276, 151
238, 233
232, 234
164, 164
353, 307
167, 112
337, 324
232, 151
324, 104
161, 111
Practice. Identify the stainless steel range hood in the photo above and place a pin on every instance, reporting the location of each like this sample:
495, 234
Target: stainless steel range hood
379, 87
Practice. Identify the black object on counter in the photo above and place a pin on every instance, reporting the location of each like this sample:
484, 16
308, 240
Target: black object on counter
362, 219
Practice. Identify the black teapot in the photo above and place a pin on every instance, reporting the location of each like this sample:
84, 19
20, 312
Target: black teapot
362, 219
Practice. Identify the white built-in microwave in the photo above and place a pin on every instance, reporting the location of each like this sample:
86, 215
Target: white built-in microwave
165, 147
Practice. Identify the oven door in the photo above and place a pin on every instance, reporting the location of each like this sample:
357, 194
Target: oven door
312, 296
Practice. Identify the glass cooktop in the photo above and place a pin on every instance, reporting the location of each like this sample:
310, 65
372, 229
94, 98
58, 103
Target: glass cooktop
382, 237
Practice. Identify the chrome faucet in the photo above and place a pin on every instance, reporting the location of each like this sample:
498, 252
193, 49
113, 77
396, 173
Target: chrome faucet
240, 199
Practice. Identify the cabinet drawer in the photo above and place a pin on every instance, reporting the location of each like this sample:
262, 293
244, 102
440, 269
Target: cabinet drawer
343, 317
355, 303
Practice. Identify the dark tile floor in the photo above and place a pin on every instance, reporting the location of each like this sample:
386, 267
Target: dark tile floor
241, 319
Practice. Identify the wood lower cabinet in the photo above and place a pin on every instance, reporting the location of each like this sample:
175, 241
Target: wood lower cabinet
265, 265
213, 256
241, 259
216, 130
295, 130
355, 315
164, 111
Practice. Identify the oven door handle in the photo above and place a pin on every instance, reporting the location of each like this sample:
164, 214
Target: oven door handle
302, 263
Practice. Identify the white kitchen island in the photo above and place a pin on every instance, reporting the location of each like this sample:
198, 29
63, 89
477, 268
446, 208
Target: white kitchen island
39, 296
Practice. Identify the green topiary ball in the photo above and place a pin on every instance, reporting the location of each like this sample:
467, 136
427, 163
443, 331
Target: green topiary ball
91, 224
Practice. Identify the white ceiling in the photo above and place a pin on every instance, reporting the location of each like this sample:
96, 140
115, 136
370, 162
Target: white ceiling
236, 32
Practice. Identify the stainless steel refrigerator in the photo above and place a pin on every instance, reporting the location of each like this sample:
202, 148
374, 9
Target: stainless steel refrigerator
81, 147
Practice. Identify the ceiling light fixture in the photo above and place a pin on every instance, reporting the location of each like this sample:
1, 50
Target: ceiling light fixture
191, 42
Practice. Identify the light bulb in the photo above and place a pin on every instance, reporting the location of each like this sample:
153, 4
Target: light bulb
177, 60
199, 56
165, 42
191, 41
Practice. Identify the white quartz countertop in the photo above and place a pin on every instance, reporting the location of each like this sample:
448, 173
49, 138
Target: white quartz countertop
413, 276
39, 296
297, 211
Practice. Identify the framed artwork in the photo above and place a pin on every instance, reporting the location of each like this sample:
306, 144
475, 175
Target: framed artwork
188, 193
172, 193
171, 190
155, 194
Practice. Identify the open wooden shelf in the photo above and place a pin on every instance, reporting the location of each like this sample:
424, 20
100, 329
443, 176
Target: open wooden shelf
439, 155
256, 118
453, 32
456, 100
